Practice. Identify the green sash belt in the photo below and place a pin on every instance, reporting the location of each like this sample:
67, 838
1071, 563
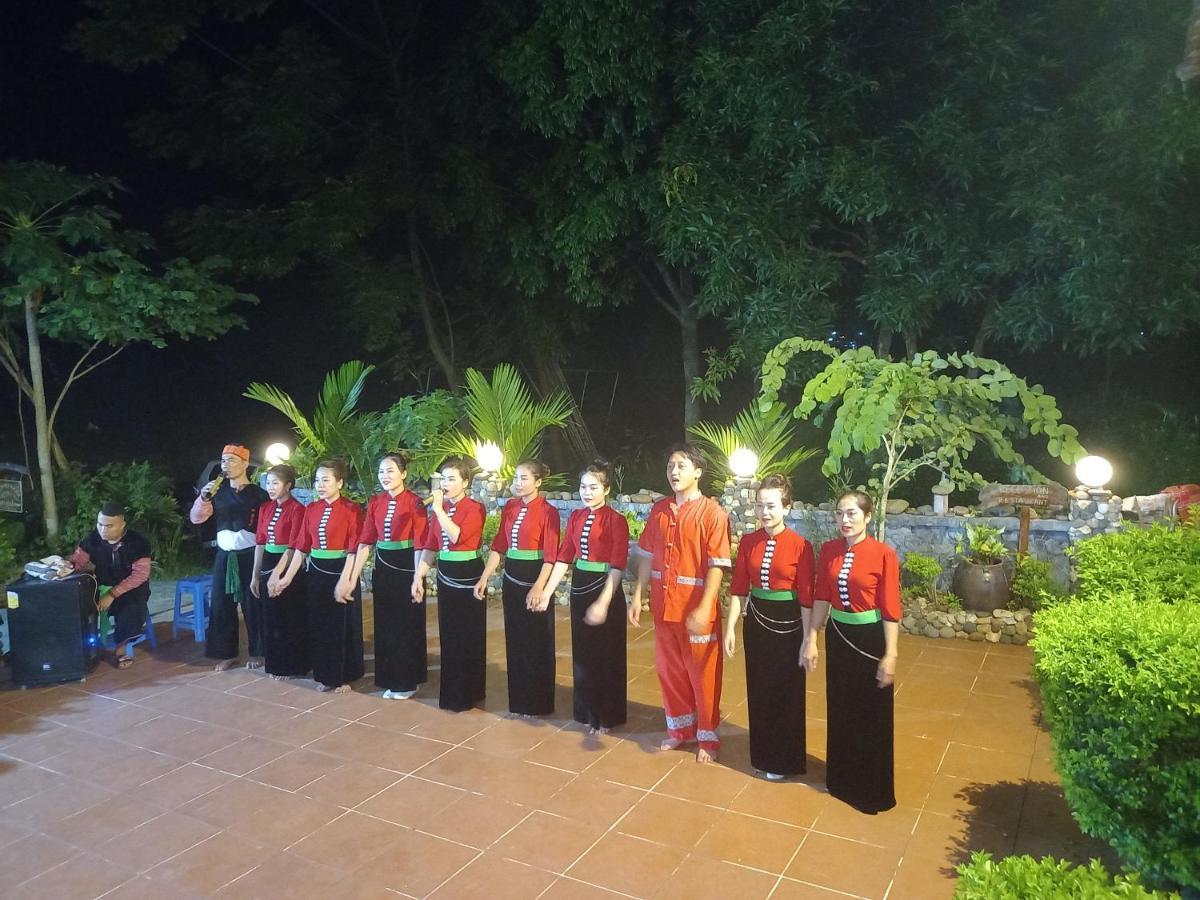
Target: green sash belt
855, 618
233, 577
393, 545
277, 548
458, 555
764, 594
524, 554
588, 565
318, 553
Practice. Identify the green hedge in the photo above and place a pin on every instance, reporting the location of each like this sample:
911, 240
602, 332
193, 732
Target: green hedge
1149, 563
146, 494
1026, 878
1120, 683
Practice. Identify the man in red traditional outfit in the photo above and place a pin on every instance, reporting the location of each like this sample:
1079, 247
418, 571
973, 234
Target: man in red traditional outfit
684, 553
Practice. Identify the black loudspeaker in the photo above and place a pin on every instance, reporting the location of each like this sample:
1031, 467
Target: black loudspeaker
52, 629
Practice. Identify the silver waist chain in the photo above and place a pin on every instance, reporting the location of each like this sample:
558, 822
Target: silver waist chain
833, 624
791, 627
383, 562
518, 581
462, 584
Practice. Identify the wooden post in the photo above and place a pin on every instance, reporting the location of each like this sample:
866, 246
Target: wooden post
1023, 538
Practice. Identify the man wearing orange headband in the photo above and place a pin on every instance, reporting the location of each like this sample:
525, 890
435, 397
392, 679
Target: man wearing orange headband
232, 502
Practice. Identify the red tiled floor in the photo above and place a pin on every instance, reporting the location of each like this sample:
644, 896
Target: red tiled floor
232, 784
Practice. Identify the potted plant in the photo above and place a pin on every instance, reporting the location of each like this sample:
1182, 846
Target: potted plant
982, 579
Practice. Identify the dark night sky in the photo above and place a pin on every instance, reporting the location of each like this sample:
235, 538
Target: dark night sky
177, 406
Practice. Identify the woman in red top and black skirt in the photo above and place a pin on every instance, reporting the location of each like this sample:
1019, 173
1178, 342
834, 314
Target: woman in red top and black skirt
527, 541
284, 613
328, 541
858, 588
597, 543
395, 526
774, 573
452, 544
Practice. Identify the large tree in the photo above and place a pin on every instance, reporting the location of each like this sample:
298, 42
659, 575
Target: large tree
70, 273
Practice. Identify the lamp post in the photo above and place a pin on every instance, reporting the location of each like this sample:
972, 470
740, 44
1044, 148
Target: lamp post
277, 453
743, 463
1094, 472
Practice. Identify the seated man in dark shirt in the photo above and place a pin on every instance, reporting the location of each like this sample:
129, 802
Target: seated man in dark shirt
120, 560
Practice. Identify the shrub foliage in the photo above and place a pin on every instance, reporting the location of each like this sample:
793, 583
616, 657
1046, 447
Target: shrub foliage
1120, 683
148, 498
1148, 563
1022, 877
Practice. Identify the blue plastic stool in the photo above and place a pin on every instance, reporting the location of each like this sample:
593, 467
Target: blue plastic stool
199, 588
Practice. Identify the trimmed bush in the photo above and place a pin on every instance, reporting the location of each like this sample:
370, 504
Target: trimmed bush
1120, 683
1033, 586
1148, 563
1023, 877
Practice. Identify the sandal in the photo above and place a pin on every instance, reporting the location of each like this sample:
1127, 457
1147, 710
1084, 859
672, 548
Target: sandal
124, 662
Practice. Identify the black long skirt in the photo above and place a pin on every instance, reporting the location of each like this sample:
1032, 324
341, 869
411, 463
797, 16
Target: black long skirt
598, 654
773, 634
221, 638
462, 624
400, 656
859, 752
285, 624
529, 642
335, 629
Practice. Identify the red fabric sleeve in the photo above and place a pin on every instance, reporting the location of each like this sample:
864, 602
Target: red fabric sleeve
507, 516
79, 559
824, 588
568, 550
201, 510
304, 540
291, 523
433, 534
139, 576
716, 545
420, 519
618, 546
368, 534
472, 523
264, 517
805, 575
887, 599
550, 530
740, 583
651, 532
358, 519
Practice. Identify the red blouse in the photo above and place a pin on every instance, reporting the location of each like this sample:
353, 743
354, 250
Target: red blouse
279, 523
399, 518
600, 535
789, 565
528, 526
330, 526
468, 515
873, 578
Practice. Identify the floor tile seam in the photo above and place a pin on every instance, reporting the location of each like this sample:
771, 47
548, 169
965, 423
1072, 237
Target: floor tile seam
748, 815
190, 847
841, 837
613, 891
613, 827
824, 887
344, 813
454, 875
276, 759
76, 855
792, 859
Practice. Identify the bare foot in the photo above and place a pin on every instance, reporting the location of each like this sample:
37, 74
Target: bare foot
254, 663
323, 688
224, 665
704, 756
278, 677
342, 689
670, 744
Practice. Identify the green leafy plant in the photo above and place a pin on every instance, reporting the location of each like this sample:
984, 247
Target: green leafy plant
919, 575
336, 427
636, 525
953, 602
1022, 877
417, 425
491, 525
11, 534
504, 412
149, 500
926, 412
1033, 586
1120, 685
1157, 563
982, 545
768, 432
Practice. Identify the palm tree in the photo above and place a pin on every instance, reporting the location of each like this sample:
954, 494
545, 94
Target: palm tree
768, 433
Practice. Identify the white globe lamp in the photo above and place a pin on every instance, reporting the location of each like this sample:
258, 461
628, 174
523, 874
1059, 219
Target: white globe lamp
277, 453
743, 463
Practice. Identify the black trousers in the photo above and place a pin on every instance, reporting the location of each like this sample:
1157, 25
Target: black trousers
598, 655
528, 641
401, 660
221, 639
462, 624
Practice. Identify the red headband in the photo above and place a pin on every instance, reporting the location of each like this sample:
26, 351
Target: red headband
237, 450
